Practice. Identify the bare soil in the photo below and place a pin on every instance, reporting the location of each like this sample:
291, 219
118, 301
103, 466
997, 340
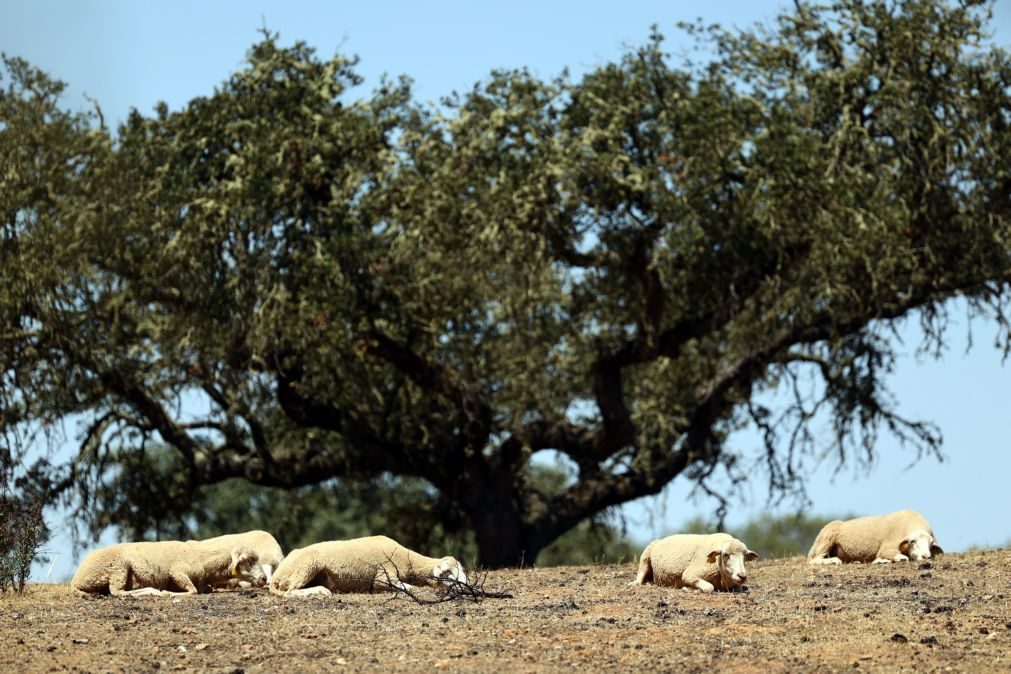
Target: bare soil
952, 614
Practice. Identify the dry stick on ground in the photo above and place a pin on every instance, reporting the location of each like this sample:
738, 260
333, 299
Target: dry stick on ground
446, 590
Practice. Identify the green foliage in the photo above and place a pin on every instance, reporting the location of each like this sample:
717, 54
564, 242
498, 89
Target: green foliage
771, 536
288, 284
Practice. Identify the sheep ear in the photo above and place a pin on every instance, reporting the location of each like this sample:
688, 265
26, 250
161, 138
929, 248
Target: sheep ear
711, 557
750, 556
904, 546
935, 549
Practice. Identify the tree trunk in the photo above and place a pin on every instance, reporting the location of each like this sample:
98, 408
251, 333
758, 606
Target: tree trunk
495, 511
503, 539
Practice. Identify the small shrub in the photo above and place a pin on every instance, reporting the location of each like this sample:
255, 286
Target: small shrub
23, 532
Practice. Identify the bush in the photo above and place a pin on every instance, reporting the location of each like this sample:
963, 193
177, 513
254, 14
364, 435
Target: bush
23, 532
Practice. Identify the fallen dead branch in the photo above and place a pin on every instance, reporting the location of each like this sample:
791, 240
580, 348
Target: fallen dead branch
445, 590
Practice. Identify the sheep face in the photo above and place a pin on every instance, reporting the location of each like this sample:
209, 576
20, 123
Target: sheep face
919, 545
245, 566
450, 570
732, 560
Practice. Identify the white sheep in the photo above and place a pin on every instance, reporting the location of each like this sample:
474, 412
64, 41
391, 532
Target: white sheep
265, 545
879, 539
160, 567
359, 565
705, 562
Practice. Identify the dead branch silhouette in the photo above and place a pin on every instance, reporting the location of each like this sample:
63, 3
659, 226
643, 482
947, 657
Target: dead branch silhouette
444, 590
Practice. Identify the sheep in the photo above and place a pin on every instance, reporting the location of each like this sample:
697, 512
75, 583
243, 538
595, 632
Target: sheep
139, 569
879, 539
704, 562
265, 545
359, 565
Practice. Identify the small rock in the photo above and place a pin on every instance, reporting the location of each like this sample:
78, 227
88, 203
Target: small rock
984, 630
80, 641
341, 661
926, 565
899, 638
931, 640
200, 646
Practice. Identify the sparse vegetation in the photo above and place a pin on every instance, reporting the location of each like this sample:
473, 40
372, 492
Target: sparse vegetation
23, 535
954, 615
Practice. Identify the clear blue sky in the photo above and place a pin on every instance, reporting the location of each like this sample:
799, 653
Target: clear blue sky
133, 54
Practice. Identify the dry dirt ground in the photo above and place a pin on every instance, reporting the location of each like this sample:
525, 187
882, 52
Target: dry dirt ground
950, 615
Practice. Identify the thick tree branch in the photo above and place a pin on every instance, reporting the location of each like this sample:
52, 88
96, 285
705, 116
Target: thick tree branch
373, 453
440, 379
145, 404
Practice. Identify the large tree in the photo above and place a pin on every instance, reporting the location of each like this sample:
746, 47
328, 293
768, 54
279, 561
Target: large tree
286, 284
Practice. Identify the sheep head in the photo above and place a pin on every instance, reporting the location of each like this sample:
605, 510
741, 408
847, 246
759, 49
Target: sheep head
449, 569
245, 566
732, 560
919, 545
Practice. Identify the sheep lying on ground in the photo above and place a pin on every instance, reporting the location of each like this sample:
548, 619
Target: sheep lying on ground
703, 562
265, 545
359, 565
164, 568
879, 539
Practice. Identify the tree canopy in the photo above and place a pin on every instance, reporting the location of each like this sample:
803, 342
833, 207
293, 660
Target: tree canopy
287, 283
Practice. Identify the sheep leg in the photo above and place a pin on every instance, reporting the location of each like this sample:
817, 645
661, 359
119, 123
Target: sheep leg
825, 545
388, 576
144, 592
701, 585
119, 578
402, 586
694, 580
645, 573
183, 580
299, 579
315, 590
897, 558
